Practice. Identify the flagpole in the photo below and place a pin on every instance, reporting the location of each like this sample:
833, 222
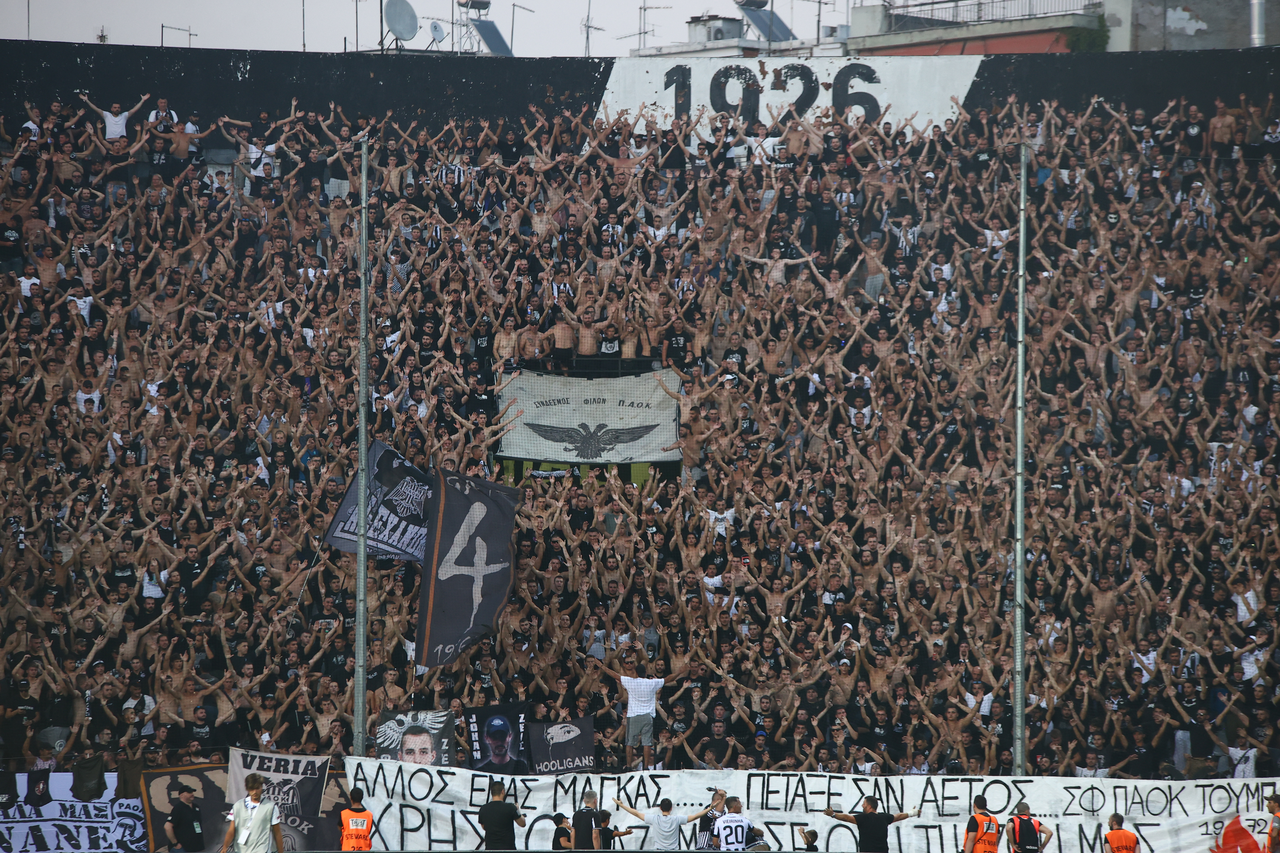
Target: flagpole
362, 493
1019, 483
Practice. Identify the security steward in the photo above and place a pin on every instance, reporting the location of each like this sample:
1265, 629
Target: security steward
357, 823
182, 826
982, 834
1119, 839
1025, 833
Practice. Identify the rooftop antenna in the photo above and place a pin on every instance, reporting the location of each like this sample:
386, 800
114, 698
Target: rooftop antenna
587, 27
644, 20
187, 30
515, 6
821, 3
641, 34
102, 36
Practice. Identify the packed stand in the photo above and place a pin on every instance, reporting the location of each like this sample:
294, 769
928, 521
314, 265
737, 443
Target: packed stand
825, 583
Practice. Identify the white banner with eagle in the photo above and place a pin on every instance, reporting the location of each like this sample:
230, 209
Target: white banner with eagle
593, 421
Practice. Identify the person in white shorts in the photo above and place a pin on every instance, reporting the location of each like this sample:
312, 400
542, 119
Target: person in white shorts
642, 702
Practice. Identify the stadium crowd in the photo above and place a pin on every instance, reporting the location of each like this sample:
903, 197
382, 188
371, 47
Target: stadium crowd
824, 583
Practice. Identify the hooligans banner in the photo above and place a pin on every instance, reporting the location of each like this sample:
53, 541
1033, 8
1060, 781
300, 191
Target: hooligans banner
497, 735
566, 747
398, 496
427, 808
418, 737
468, 569
295, 783
318, 830
629, 419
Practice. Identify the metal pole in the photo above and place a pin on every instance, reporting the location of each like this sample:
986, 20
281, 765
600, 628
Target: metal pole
1257, 23
382, 30
362, 494
357, 4
772, 17
304, 26
515, 6
1019, 481
161, 31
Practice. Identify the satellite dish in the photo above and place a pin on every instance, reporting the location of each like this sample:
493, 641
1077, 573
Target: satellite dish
476, 5
401, 19
437, 31
753, 4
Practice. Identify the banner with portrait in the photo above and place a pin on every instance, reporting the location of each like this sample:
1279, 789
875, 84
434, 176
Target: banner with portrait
416, 737
497, 734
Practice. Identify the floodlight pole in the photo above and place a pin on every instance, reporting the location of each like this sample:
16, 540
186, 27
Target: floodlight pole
362, 476
1020, 486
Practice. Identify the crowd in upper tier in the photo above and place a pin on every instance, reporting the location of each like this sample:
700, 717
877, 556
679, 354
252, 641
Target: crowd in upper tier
829, 572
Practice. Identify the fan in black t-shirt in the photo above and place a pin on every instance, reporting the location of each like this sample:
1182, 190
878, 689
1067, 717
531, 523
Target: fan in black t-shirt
499, 819
873, 827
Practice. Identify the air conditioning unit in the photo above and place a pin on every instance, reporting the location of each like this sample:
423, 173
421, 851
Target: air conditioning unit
711, 28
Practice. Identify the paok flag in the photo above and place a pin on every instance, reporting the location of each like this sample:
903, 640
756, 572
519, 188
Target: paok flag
294, 783
565, 747
468, 570
398, 519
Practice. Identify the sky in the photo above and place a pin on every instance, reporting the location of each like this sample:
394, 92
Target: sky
553, 29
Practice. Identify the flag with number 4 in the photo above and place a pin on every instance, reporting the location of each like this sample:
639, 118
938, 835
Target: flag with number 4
468, 568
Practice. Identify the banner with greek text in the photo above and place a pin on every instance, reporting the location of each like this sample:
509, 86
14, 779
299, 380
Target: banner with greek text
593, 421
430, 808
61, 822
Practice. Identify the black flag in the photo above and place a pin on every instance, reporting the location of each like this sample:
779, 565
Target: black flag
468, 571
398, 515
